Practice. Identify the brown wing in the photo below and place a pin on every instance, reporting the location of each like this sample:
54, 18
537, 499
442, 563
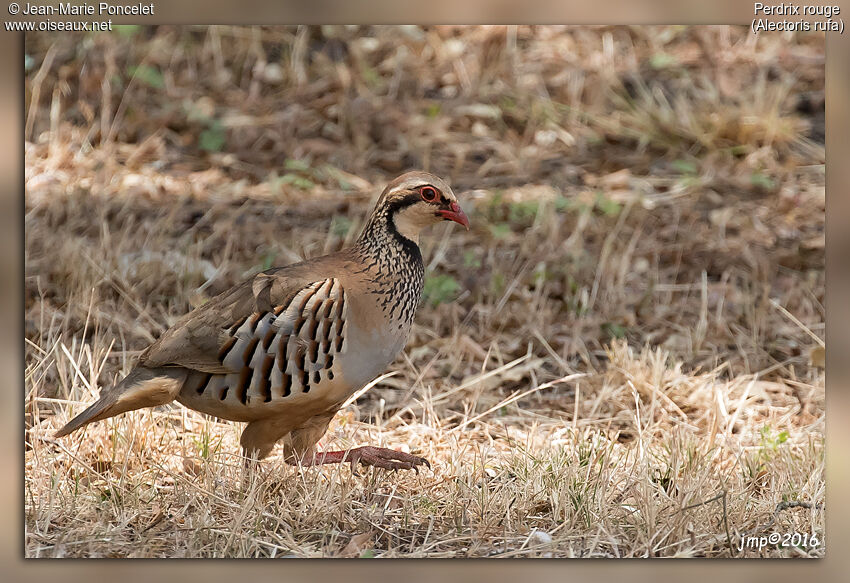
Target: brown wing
284, 351
198, 338
281, 317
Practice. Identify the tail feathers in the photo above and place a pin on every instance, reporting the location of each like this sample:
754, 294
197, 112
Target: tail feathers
143, 387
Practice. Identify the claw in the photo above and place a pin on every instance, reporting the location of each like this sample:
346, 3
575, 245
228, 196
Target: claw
388, 459
378, 457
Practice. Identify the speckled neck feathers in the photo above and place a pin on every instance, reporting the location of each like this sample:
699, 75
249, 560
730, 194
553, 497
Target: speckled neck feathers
393, 264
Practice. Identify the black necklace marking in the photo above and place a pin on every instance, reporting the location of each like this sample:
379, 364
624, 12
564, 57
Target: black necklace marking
395, 261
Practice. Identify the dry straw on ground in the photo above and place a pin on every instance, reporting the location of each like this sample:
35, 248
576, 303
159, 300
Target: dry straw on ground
622, 358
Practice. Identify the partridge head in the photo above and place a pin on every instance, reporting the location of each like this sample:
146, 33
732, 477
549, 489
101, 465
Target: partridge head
284, 350
417, 200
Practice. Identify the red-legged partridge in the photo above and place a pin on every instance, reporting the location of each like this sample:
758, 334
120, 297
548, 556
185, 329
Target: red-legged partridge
285, 349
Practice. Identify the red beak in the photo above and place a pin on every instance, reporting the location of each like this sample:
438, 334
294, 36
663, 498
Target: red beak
456, 214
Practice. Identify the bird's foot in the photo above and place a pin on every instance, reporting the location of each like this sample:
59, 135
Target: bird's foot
389, 459
379, 457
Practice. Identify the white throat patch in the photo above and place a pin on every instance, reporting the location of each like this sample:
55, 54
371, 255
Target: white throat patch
409, 221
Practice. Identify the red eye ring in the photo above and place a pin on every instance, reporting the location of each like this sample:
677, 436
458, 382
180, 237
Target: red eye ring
429, 193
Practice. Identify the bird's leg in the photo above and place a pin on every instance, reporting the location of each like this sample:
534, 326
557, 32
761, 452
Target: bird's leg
252, 469
380, 457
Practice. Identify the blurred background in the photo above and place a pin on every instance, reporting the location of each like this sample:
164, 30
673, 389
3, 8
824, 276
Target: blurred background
646, 202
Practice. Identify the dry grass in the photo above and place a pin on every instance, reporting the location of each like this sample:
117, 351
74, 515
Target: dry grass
621, 358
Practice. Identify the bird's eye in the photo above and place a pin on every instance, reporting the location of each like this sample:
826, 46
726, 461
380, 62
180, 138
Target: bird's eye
429, 194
